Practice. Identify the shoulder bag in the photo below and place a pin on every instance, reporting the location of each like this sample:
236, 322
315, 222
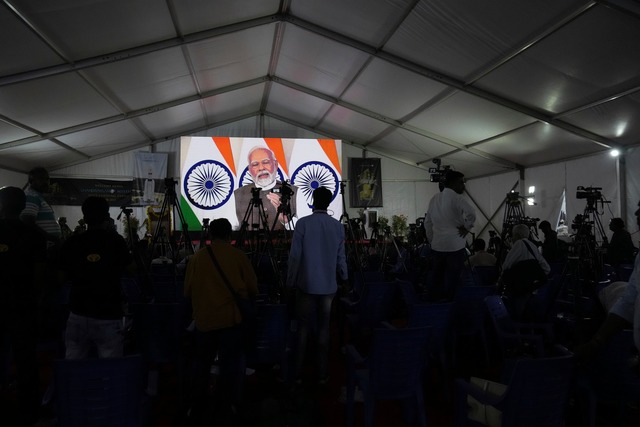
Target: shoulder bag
246, 306
523, 277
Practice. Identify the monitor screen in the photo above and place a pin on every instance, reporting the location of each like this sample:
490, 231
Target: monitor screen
217, 177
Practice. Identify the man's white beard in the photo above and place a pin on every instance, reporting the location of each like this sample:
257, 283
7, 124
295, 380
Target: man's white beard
264, 179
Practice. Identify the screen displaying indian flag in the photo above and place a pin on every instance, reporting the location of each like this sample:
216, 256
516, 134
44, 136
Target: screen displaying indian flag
212, 168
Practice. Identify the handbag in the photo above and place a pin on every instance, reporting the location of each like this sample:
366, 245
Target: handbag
246, 306
523, 277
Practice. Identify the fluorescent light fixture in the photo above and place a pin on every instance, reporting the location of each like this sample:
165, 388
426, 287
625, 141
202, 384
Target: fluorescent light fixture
532, 189
530, 201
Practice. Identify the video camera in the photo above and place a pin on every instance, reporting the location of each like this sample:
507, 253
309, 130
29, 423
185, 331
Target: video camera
284, 190
438, 173
170, 182
126, 210
590, 193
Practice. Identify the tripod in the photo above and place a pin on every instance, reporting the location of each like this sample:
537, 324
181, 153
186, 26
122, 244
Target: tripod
204, 233
353, 257
255, 249
513, 215
170, 200
284, 209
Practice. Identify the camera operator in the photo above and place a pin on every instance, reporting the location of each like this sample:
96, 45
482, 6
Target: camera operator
553, 250
263, 168
620, 249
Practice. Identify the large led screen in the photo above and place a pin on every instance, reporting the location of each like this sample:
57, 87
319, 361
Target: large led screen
212, 170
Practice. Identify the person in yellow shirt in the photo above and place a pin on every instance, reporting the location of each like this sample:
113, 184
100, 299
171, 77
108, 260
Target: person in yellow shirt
217, 317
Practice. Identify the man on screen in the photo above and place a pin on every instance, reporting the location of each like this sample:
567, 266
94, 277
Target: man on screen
263, 168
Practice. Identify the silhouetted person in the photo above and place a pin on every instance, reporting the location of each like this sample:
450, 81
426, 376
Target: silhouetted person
480, 257
22, 253
316, 258
447, 222
94, 262
217, 318
551, 247
620, 249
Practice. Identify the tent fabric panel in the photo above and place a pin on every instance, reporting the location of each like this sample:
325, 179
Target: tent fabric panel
617, 120
177, 120
9, 132
340, 120
459, 38
25, 49
539, 143
196, 15
147, 80
363, 20
390, 90
317, 62
53, 103
39, 153
104, 139
136, 23
572, 66
237, 103
465, 118
232, 58
298, 106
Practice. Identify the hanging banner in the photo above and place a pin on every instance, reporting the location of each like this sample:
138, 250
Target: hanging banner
365, 182
150, 171
72, 192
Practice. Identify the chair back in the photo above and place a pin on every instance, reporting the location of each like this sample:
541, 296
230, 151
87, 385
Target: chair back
486, 275
537, 392
99, 392
272, 334
541, 303
469, 310
396, 361
613, 379
158, 331
437, 317
376, 304
499, 315
362, 278
408, 292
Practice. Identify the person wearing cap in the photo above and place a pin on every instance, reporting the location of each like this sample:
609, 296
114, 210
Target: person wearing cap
94, 262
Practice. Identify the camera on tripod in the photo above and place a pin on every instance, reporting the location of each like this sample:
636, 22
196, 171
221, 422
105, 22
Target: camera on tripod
170, 182
581, 222
589, 193
438, 173
284, 190
126, 210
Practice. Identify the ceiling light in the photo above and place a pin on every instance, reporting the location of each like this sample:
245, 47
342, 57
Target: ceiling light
614, 153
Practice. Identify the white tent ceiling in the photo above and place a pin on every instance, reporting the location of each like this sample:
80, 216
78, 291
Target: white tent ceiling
486, 85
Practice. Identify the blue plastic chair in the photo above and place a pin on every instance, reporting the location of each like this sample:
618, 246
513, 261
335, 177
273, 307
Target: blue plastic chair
374, 306
470, 315
392, 370
438, 317
517, 339
100, 392
612, 381
272, 338
536, 393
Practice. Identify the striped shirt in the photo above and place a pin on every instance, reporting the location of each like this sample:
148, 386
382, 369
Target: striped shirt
38, 208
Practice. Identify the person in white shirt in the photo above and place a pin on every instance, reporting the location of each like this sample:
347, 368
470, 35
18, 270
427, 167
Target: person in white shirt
449, 219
